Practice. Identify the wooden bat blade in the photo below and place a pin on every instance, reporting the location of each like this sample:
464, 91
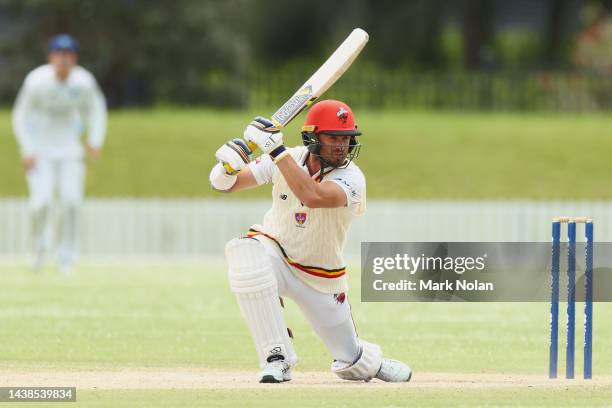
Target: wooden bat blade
323, 78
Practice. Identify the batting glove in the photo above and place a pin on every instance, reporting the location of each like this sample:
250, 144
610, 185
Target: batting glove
220, 180
267, 137
234, 156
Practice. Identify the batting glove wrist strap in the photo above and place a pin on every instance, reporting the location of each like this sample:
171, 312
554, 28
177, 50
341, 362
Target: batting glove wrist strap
279, 153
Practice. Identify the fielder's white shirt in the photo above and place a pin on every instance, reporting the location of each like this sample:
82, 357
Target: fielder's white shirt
50, 115
310, 239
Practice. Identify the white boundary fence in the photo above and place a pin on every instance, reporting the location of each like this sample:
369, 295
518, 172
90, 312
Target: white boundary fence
198, 227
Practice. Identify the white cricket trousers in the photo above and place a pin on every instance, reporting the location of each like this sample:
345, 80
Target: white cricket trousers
328, 314
65, 178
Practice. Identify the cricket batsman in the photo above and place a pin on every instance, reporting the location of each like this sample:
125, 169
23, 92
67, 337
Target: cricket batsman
57, 101
297, 251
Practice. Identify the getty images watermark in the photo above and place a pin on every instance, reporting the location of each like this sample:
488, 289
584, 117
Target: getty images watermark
423, 263
468, 271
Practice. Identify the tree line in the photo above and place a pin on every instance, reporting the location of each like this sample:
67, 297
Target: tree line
203, 51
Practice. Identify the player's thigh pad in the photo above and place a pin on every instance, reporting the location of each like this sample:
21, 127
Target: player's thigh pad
365, 368
252, 280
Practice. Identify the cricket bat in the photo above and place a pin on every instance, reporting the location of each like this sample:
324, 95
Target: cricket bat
320, 81
323, 78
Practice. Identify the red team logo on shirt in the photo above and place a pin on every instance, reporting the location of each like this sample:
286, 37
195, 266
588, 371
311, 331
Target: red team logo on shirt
300, 218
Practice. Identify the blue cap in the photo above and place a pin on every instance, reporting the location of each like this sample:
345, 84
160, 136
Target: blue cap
63, 42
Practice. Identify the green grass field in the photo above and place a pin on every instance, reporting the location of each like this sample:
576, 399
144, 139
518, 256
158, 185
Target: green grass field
168, 153
106, 322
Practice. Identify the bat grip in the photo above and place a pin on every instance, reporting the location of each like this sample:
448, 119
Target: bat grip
252, 146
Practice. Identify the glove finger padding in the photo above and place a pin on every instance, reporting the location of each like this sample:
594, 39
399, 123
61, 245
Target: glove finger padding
240, 146
264, 124
267, 137
234, 155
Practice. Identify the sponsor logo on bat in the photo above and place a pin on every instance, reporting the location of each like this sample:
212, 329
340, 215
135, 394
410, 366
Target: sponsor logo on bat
293, 106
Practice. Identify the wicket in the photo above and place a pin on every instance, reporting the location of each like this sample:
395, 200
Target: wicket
571, 296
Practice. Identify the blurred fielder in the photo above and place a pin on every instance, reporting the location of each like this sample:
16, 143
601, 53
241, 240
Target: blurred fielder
56, 102
297, 252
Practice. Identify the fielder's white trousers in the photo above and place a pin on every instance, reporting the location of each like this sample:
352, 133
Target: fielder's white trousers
64, 178
329, 315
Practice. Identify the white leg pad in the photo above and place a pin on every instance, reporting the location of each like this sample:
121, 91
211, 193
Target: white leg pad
365, 368
253, 281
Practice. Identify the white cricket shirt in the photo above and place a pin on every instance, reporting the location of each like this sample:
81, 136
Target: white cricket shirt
310, 239
50, 115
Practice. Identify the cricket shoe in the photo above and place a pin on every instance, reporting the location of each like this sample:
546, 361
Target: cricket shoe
275, 372
394, 371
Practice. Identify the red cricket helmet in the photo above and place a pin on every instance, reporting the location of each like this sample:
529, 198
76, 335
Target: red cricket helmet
331, 117
334, 118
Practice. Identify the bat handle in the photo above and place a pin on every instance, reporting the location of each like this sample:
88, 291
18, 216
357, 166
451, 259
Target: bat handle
252, 146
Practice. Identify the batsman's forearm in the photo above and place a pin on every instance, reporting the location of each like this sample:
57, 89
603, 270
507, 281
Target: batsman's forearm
304, 187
